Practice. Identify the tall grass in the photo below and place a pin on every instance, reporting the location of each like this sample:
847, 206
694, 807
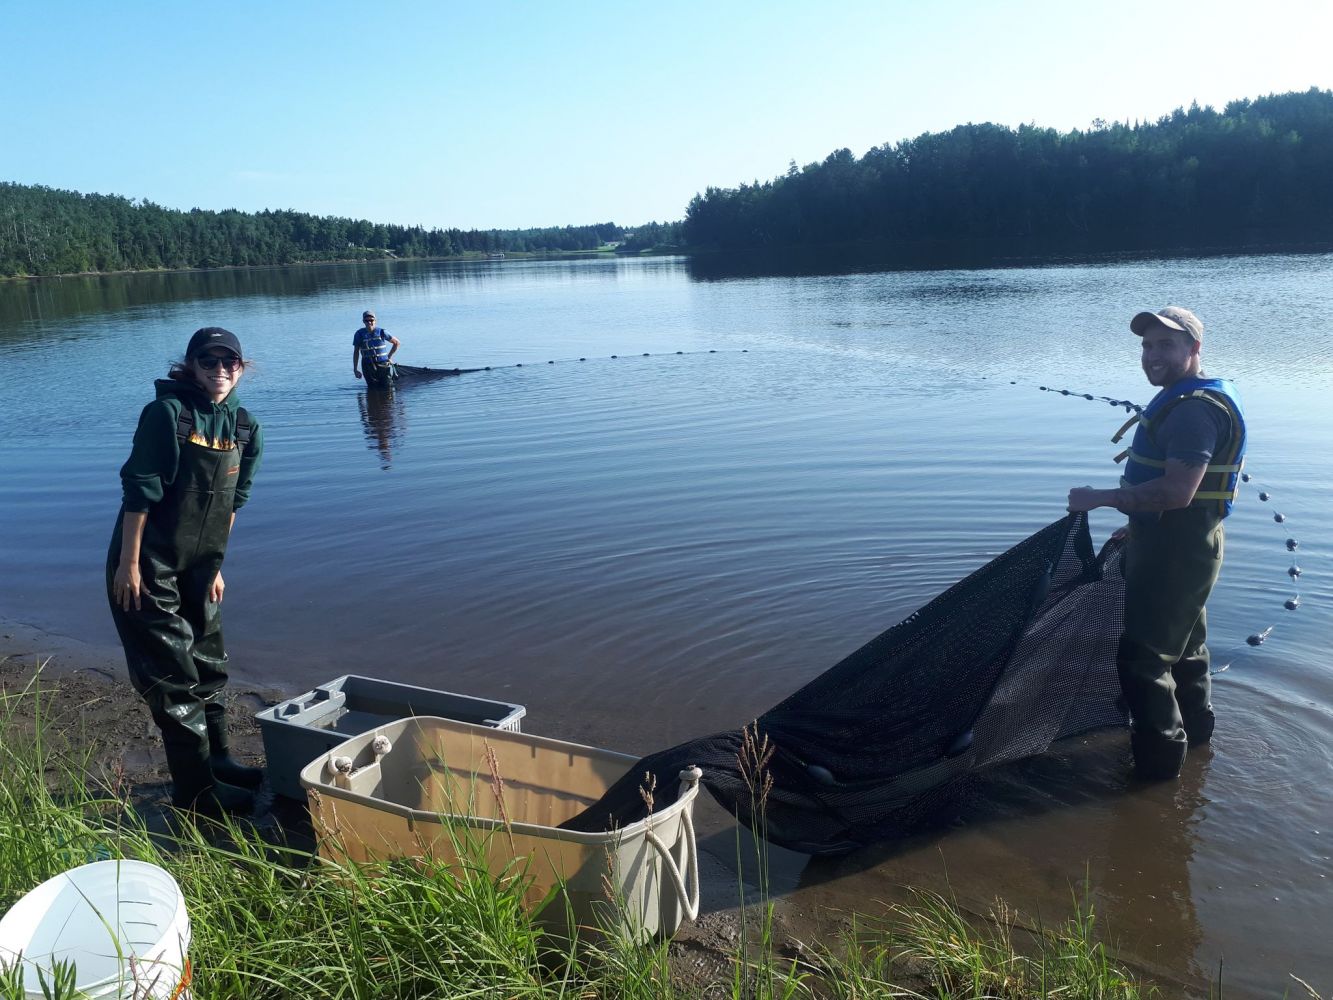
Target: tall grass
759, 973
273, 921
961, 960
269, 920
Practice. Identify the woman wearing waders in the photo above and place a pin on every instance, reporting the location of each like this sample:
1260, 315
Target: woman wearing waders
195, 455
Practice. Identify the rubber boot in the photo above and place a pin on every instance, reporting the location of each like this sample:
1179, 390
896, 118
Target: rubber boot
220, 761
1156, 758
1194, 689
1199, 727
194, 787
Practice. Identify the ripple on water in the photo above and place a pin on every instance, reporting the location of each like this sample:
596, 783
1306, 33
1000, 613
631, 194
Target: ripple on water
646, 549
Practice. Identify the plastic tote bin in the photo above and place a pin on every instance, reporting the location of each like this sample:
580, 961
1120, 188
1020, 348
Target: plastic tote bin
122, 924
423, 786
300, 729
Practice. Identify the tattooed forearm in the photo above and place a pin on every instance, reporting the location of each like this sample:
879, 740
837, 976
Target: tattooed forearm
1175, 489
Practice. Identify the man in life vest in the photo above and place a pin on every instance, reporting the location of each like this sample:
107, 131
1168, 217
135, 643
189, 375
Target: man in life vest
1181, 474
372, 352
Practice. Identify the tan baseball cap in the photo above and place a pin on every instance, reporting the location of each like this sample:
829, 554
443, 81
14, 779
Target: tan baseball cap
1173, 318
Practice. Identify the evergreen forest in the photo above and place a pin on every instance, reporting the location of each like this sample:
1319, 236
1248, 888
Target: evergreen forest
47, 231
1257, 170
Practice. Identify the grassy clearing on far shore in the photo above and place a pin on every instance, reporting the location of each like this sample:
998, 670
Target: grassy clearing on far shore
271, 921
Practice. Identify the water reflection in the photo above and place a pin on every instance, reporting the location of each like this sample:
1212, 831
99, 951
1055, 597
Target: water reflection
1109, 842
43, 300
868, 258
46, 300
1151, 838
720, 526
384, 421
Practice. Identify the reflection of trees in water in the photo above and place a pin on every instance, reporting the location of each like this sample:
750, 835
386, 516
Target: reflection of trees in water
954, 255
58, 298
861, 258
384, 421
51, 299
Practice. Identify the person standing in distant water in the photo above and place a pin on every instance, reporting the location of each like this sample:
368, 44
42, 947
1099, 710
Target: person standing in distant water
1181, 476
372, 352
195, 455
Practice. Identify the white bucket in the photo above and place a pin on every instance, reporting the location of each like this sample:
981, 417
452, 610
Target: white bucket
123, 925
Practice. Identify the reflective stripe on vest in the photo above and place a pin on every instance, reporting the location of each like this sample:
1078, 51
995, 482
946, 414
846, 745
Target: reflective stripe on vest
1147, 461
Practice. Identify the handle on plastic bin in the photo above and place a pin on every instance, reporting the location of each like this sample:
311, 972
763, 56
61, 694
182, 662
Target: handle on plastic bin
689, 899
305, 702
342, 768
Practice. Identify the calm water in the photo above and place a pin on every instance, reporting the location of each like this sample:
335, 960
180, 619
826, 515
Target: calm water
649, 548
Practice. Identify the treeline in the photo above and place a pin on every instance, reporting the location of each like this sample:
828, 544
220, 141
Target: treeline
48, 231
1257, 168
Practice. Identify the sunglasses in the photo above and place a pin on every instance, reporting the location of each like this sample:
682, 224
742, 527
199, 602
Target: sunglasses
210, 361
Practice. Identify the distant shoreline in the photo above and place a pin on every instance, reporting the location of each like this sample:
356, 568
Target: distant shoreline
777, 260
471, 257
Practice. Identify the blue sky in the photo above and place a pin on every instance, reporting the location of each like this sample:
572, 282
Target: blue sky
512, 113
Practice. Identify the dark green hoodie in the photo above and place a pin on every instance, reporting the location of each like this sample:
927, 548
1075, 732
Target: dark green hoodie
152, 463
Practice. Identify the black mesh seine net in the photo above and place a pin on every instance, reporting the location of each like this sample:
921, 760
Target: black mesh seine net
1017, 655
417, 373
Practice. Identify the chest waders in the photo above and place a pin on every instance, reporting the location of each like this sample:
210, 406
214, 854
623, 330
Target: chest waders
1170, 567
173, 643
1171, 564
378, 375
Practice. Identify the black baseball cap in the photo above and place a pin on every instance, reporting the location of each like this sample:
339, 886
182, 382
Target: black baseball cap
213, 336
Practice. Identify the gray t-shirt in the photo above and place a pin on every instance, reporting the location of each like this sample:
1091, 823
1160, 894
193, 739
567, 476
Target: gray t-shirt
1193, 431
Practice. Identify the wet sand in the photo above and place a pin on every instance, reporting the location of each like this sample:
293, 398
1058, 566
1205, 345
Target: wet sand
89, 694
